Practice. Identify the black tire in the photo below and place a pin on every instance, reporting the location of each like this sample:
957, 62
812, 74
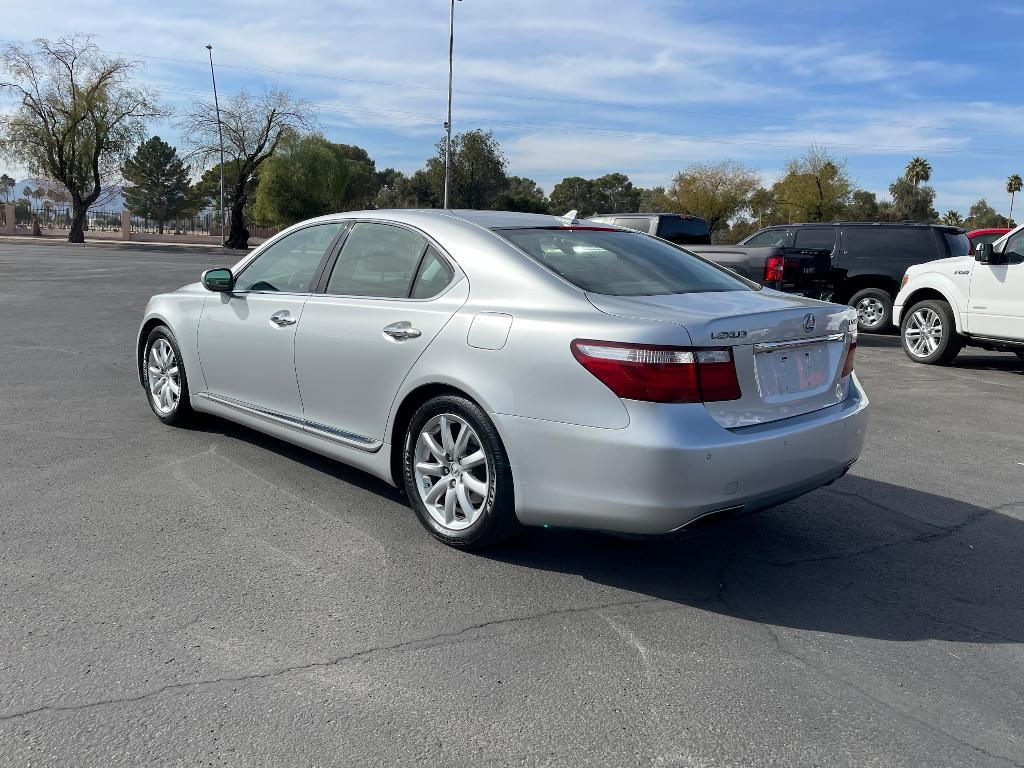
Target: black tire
878, 300
1020, 355
949, 344
497, 520
182, 412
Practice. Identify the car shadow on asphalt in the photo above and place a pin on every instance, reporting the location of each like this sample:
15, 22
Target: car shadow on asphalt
863, 558
969, 359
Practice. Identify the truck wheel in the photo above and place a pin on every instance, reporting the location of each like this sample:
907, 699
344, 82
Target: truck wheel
874, 310
929, 333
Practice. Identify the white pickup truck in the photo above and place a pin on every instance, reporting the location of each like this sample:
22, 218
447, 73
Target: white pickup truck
975, 300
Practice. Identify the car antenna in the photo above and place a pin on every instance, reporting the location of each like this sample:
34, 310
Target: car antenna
570, 217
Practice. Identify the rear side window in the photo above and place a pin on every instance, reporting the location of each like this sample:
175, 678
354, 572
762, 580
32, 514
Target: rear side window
433, 277
377, 260
958, 242
989, 237
690, 231
909, 244
617, 263
776, 237
640, 224
822, 238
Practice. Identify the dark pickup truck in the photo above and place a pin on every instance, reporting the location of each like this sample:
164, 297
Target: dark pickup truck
784, 268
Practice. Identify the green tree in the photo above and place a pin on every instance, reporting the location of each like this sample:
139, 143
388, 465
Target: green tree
863, 206
912, 202
158, 182
716, 192
953, 218
918, 171
1013, 186
762, 205
653, 200
6, 188
396, 190
307, 176
523, 195
253, 127
363, 181
984, 216
815, 187
616, 194
77, 117
477, 173
574, 193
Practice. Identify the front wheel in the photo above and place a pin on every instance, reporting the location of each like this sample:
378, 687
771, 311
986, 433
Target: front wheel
874, 310
163, 376
929, 333
457, 474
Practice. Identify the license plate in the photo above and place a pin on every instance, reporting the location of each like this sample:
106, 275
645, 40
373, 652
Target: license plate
788, 371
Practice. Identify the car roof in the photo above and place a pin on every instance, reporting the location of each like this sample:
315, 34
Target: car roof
988, 231
485, 219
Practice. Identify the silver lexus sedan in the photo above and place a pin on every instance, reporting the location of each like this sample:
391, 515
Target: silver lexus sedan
516, 369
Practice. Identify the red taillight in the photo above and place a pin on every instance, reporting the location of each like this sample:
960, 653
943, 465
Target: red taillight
774, 269
660, 374
850, 354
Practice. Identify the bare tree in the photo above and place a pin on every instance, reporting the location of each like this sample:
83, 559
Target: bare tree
79, 116
253, 129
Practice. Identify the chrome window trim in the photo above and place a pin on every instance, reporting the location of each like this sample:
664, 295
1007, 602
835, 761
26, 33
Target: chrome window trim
324, 431
457, 273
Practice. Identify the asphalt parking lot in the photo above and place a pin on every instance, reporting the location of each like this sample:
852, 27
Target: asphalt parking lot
212, 596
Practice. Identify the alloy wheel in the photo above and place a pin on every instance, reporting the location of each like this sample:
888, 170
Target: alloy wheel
923, 332
870, 312
164, 376
451, 471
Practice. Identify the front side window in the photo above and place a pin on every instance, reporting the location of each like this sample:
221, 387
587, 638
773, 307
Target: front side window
988, 237
377, 260
776, 237
290, 265
1014, 248
617, 263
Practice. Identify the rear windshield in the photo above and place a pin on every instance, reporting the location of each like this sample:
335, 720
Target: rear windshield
617, 263
958, 242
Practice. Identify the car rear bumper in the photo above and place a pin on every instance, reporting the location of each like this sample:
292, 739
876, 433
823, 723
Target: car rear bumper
674, 464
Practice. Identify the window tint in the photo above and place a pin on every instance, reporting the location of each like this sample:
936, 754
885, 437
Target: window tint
775, 237
377, 260
990, 237
906, 244
959, 244
290, 265
433, 277
1014, 248
639, 223
823, 238
621, 263
688, 231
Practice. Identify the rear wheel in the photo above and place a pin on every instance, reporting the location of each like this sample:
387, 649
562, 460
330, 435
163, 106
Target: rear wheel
874, 310
929, 333
457, 474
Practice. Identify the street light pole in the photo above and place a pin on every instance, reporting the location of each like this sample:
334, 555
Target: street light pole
220, 133
448, 122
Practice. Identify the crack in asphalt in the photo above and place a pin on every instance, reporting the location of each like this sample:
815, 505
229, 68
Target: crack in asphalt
466, 634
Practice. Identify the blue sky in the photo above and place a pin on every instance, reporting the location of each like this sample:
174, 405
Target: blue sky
584, 88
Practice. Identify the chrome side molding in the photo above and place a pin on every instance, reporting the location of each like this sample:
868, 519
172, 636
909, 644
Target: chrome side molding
302, 425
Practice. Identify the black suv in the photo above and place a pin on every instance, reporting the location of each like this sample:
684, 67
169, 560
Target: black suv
868, 259
675, 227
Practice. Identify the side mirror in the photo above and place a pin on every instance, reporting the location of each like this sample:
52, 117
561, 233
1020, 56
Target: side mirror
218, 280
985, 254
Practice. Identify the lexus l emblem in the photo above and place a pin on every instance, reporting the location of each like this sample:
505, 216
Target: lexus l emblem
808, 322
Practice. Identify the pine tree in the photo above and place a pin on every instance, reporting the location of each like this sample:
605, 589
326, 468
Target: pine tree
158, 185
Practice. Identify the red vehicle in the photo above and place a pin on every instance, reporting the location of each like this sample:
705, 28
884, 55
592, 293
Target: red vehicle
979, 236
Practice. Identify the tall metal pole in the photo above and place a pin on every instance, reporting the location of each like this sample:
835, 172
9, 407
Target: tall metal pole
220, 133
448, 122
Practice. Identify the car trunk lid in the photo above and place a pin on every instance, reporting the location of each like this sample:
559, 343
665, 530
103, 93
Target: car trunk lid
788, 350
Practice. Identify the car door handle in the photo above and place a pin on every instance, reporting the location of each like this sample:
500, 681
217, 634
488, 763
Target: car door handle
402, 331
283, 318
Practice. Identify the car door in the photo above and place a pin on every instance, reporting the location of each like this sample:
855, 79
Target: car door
996, 304
247, 336
387, 295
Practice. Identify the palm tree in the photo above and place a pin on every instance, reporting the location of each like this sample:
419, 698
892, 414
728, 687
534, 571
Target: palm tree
919, 170
953, 219
1013, 186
